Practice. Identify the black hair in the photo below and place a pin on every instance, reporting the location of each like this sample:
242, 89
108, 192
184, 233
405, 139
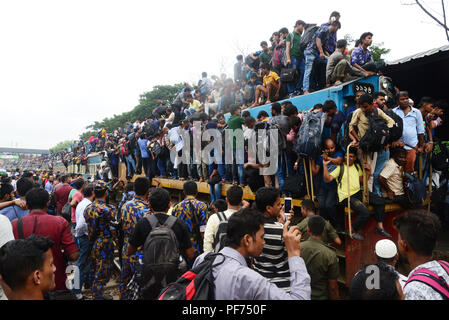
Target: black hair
249, 120
329, 105
308, 205
159, 200
253, 75
387, 289
19, 258
263, 43
234, 195
78, 184
142, 185
99, 193
190, 188
265, 66
246, 114
266, 196
300, 22
293, 122
64, 178
23, 186
353, 150
283, 30
366, 98
241, 223
88, 190
37, 198
262, 114
403, 94
290, 110
419, 229
394, 152
425, 100
239, 57
378, 94
204, 74
276, 106
365, 35
221, 205
335, 14
357, 43
342, 43
129, 186
316, 225
5, 189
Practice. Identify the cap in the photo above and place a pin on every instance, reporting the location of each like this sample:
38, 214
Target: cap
101, 185
386, 249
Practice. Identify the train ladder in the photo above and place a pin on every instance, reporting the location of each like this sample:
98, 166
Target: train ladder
349, 194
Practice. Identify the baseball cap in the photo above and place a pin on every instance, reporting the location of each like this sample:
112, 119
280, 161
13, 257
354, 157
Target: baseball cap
386, 249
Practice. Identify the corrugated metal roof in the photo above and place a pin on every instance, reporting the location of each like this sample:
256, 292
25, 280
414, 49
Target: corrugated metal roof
419, 55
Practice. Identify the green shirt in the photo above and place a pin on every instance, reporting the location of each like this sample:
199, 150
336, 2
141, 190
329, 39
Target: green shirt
295, 51
234, 123
322, 265
265, 57
328, 236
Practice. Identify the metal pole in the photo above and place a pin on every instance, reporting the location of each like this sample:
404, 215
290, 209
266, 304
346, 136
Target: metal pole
311, 180
349, 193
307, 180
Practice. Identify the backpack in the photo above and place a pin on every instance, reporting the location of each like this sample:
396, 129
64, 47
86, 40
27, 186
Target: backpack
309, 135
84, 159
157, 149
278, 56
415, 189
440, 156
342, 171
343, 139
66, 212
161, 256
264, 138
196, 284
396, 131
99, 135
220, 237
430, 278
308, 36
295, 186
377, 135
149, 129
288, 75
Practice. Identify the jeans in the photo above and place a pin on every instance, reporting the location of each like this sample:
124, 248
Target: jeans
215, 192
310, 59
130, 164
281, 170
162, 165
236, 167
298, 64
83, 269
382, 158
327, 201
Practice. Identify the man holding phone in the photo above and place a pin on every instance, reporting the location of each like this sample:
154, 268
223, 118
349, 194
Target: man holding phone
273, 262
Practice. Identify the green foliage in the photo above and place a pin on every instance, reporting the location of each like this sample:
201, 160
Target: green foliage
147, 102
378, 51
62, 145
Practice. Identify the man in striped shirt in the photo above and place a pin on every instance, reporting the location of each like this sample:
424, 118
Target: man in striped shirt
273, 262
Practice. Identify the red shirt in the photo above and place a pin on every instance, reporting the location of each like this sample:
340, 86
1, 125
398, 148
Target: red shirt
62, 196
57, 229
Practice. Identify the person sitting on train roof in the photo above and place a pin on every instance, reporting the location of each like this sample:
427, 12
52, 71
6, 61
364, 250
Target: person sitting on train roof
271, 86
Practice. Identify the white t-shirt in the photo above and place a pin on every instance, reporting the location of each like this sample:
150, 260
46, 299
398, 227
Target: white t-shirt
6, 233
81, 226
212, 228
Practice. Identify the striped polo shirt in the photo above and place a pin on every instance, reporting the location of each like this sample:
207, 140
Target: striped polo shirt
273, 262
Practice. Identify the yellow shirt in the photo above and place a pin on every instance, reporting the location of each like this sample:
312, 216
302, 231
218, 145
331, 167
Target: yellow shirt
271, 77
354, 181
195, 105
360, 120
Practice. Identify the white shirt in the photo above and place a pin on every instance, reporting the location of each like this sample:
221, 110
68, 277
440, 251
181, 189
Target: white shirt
212, 228
81, 226
6, 233
420, 291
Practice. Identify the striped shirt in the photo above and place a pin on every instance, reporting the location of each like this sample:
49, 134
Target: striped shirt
273, 262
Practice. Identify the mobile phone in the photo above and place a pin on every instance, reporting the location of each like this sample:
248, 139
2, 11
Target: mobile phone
287, 207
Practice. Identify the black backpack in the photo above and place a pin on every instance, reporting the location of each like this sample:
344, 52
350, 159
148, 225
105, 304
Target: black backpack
149, 129
264, 138
196, 284
307, 36
288, 75
377, 135
310, 135
398, 128
295, 186
161, 256
440, 156
220, 237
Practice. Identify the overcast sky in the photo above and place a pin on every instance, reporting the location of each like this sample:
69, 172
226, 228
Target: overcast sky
65, 64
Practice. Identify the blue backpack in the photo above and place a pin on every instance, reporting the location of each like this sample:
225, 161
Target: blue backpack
416, 190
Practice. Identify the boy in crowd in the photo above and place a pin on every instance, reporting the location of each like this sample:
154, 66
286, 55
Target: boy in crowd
271, 86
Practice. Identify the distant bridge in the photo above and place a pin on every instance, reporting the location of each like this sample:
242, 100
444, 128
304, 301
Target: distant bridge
24, 151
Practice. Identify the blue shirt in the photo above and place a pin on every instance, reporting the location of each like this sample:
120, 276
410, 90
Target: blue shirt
323, 33
361, 57
49, 187
14, 212
332, 41
413, 126
143, 143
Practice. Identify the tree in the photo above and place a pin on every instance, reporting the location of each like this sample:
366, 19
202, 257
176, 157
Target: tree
378, 51
61, 146
442, 18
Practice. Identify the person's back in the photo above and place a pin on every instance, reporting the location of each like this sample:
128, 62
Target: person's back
14, 212
62, 194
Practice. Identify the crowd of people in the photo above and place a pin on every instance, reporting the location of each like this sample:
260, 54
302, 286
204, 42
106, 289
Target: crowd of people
260, 252
377, 152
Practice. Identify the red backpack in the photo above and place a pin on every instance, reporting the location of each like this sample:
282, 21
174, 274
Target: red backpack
432, 279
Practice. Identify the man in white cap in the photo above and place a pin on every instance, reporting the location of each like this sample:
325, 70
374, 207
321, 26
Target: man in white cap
387, 252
